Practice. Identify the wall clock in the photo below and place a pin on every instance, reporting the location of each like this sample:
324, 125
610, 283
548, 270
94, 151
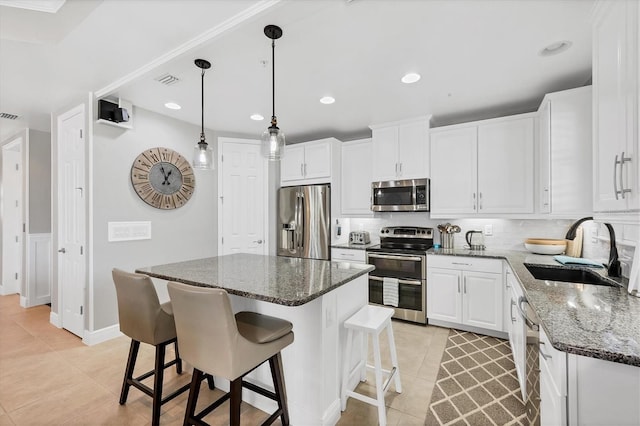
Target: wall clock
162, 178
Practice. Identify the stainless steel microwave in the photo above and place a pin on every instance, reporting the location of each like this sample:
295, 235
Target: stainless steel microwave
409, 195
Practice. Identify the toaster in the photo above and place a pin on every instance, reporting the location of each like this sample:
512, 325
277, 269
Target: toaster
359, 237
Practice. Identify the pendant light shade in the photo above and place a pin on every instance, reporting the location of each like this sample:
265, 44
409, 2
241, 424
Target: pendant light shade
202, 152
273, 142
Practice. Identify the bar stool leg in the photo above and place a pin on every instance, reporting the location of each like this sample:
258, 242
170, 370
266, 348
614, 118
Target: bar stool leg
394, 358
158, 376
365, 356
178, 360
345, 371
235, 389
275, 362
128, 372
382, 412
194, 391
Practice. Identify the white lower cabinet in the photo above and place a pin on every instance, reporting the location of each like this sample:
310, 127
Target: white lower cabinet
553, 384
348, 255
466, 291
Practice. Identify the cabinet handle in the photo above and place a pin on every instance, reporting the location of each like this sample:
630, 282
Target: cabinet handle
480, 200
461, 263
513, 303
396, 169
458, 284
401, 167
545, 356
302, 169
305, 169
615, 184
623, 160
474, 201
465, 285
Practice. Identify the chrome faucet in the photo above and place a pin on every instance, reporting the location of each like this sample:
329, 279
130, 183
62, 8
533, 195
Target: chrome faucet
613, 268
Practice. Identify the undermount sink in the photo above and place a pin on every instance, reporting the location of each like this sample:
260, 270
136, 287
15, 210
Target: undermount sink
569, 275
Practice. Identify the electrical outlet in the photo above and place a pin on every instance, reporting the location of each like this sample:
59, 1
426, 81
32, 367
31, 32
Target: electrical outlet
488, 230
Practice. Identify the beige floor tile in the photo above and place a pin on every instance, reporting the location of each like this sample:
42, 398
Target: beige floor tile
5, 420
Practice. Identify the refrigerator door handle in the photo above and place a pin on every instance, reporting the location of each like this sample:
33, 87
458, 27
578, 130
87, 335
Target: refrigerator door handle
301, 222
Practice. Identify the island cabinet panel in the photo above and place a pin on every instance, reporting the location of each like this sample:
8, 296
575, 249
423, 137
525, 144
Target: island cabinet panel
616, 81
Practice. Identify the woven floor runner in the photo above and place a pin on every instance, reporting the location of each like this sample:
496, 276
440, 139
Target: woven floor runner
477, 384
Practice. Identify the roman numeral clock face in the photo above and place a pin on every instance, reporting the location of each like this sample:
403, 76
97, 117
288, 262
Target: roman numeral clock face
163, 178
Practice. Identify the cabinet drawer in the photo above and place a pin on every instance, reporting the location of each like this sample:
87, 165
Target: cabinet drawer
351, 255
554, 363
461, 263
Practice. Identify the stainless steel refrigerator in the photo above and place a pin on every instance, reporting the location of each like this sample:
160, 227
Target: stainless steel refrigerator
304, 221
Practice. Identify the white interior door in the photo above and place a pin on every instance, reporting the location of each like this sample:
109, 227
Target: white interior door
71, 219
12, 217
243, 196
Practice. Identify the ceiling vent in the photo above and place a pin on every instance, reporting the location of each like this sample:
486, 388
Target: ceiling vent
167, 79
8, 116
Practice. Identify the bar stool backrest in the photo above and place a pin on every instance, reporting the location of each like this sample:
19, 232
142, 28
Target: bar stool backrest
140, 313
206, 326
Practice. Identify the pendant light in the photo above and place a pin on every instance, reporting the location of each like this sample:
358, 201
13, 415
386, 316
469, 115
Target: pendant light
202, 152
273, 138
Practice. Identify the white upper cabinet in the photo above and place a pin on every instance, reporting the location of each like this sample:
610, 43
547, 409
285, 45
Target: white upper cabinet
565, 152
616, 180
483, 167
400, 150
356, 178
309, 162
454, 171
505, 166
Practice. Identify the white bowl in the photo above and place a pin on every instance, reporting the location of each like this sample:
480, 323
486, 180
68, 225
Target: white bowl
545, 246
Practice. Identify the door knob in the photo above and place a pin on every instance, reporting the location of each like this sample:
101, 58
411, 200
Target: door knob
259, 241
62, 250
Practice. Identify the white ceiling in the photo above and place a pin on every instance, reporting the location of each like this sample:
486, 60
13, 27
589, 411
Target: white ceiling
477, 58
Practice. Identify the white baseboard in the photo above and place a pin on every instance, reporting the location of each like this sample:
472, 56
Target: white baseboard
332, 414
55, 319
23, 302
94, 337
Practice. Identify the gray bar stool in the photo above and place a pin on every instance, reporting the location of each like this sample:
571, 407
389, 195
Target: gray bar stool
145, 320
214, 340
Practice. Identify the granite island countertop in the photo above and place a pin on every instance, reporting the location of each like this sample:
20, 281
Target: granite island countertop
282, 280
583, 319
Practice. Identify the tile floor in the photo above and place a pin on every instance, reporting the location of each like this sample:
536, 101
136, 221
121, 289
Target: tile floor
49, 377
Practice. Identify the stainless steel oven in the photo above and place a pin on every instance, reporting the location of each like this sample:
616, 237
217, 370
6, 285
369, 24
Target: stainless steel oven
402, 257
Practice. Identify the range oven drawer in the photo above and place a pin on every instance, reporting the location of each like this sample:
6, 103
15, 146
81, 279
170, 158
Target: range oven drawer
410, 293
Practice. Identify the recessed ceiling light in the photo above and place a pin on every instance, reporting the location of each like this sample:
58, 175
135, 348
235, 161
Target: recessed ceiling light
257, 117
172, 105
327, 100
555, 48
412, 77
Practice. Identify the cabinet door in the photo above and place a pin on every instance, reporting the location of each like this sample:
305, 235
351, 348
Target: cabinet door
413, 150
482, 300
356, 177
505, 166
291, 164
552, 405
443, 295
544, 194
385, 154
609, 95
317, 160
454, 171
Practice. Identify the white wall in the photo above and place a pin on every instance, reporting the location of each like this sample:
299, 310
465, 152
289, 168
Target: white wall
189, 232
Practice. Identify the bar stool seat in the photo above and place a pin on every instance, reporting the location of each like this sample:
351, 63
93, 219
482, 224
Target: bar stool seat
371, 320
145, 320
214, 340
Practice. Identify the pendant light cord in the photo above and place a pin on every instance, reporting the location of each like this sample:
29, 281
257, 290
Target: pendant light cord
202, 139
273, 83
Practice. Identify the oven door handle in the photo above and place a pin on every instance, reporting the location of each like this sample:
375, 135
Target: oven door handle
410, 282
393, 257
530, 324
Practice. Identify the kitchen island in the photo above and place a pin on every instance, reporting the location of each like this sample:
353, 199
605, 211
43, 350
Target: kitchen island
317, 296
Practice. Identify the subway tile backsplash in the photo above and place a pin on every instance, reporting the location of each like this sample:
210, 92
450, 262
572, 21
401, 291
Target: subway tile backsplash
508, 234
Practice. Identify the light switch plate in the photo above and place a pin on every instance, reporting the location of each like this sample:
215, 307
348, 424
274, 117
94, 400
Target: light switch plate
129, 231
488, 230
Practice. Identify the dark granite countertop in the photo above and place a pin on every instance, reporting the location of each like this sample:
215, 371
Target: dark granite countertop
281, 280
355, 246
583, 319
